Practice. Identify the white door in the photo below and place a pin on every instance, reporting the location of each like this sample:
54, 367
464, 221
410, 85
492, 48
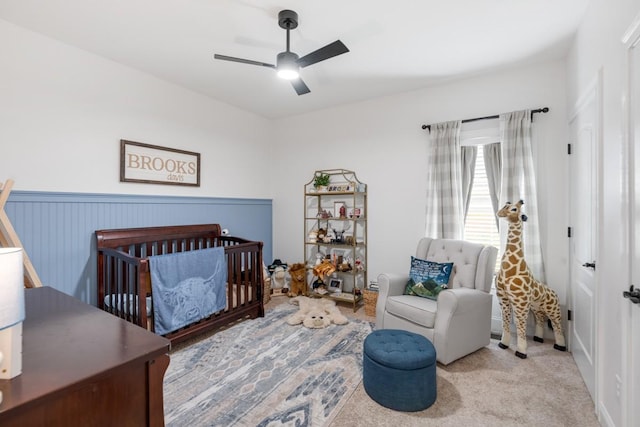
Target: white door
631, 307
584, 223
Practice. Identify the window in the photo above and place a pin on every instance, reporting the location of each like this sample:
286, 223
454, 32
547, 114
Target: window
480, 224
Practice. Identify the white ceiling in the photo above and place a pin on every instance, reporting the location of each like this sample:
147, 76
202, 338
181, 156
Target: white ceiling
395, 46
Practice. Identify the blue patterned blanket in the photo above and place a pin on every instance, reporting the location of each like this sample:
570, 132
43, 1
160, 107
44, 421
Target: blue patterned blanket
187, 287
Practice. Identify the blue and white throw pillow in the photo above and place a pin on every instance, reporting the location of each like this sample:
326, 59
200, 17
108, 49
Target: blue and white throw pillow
427, 278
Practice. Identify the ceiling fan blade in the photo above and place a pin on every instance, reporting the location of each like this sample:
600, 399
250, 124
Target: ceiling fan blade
329, 51
243, 61
300, 87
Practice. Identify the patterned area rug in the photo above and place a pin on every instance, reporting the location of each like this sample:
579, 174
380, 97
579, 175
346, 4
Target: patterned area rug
264, 372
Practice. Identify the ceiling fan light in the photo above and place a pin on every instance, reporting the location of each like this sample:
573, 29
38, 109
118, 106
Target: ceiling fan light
287, 67
288, 73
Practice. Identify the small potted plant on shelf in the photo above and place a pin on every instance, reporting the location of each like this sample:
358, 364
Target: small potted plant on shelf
320, 181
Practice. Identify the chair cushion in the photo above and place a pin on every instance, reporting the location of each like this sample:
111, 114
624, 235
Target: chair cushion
399, 349
421, 311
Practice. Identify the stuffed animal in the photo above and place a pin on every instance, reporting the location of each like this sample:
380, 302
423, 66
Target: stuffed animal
320, 235
279, 279
316, 313
298, 283
321, 271
325, 268
517, 289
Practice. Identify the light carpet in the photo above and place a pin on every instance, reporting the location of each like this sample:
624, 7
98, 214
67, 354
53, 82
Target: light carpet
264, 372
490, 387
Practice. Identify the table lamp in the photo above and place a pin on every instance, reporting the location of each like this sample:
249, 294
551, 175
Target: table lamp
12, 312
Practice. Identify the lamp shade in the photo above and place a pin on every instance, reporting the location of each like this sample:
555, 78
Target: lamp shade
12, 309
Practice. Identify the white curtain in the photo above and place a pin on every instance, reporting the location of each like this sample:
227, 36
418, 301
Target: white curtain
468, 165
445, 205
493, 167
518, 183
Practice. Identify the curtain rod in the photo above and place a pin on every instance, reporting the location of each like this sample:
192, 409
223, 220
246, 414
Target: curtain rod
539, 110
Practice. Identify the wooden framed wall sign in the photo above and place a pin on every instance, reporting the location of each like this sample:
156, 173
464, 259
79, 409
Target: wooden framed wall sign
152, 164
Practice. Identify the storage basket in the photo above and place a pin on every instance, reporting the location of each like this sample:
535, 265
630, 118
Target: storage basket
266, 292
370, 300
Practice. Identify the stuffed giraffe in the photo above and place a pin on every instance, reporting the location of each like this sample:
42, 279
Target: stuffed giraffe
518, 289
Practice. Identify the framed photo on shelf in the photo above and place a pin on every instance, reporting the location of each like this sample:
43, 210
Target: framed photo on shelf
335, 285
339, 210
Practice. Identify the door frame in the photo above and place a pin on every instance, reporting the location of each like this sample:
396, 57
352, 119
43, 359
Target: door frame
593, 91
631, 42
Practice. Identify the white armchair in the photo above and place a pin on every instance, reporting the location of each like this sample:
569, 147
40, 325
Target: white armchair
459, 321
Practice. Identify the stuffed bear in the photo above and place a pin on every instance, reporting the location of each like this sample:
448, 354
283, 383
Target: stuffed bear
316, 313
298, 283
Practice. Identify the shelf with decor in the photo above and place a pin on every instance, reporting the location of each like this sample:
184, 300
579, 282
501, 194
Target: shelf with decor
335, 233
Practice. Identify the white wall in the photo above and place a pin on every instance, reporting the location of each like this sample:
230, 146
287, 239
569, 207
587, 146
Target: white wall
383, 142
597, 48
63, 112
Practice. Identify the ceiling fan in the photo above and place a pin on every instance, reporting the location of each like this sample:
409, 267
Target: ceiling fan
289, 63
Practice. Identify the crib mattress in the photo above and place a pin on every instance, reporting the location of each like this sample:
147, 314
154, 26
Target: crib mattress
116, 300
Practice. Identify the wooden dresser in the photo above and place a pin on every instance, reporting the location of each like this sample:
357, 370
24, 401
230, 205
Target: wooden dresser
84, 367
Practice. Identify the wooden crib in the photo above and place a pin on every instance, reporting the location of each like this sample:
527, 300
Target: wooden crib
124, 281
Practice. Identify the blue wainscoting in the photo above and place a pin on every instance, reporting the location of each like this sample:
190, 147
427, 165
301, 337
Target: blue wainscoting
57, 229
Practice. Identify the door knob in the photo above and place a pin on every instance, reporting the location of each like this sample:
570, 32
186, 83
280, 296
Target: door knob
590, 265
632, 294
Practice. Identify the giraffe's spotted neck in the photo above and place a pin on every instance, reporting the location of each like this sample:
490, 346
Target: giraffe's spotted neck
514, 241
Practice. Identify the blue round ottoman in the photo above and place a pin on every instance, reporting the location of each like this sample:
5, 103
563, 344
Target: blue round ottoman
399, 369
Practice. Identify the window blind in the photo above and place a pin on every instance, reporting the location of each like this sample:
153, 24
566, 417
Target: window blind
480, 224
